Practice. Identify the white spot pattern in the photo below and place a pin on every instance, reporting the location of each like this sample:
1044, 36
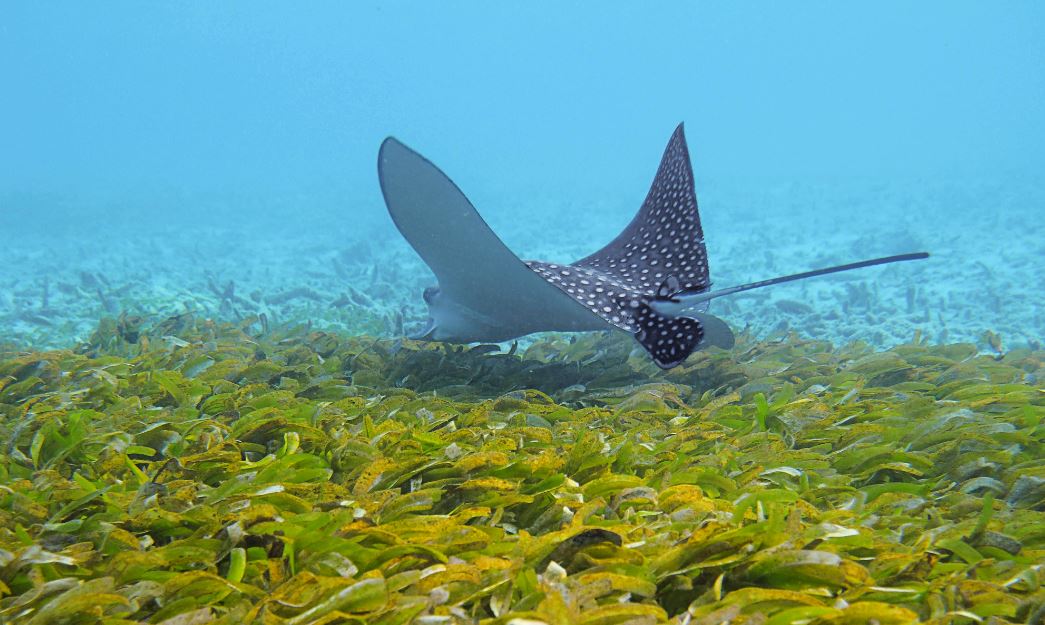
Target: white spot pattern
669, 340
605, 295
663, 242
666, 232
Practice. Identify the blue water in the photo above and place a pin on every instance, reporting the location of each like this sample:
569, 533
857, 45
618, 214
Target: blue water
162, 146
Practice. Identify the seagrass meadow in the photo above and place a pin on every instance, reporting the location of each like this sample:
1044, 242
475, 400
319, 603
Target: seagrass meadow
190, 472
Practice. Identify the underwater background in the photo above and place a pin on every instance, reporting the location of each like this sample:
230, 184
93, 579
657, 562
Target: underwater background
155, 155
208, 412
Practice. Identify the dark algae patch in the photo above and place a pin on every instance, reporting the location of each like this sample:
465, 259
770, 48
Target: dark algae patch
189, 473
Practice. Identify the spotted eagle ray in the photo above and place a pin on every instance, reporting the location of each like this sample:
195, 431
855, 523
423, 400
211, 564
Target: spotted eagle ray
652, 280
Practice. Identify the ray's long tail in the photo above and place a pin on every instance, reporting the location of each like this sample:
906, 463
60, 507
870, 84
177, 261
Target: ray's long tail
683, 301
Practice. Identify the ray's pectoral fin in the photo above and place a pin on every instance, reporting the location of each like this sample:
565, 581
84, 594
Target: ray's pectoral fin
716, 331
443, 227
669, 340
485, 292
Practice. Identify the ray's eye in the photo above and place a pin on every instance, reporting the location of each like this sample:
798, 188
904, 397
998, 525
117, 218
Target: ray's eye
429, 294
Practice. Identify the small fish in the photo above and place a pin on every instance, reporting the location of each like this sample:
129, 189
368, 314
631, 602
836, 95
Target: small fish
652, 280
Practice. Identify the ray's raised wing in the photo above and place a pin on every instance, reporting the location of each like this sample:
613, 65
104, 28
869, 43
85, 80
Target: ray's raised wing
665, 237
659, 255
475, 269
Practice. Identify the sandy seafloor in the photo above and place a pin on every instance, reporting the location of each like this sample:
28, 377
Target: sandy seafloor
302, 259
